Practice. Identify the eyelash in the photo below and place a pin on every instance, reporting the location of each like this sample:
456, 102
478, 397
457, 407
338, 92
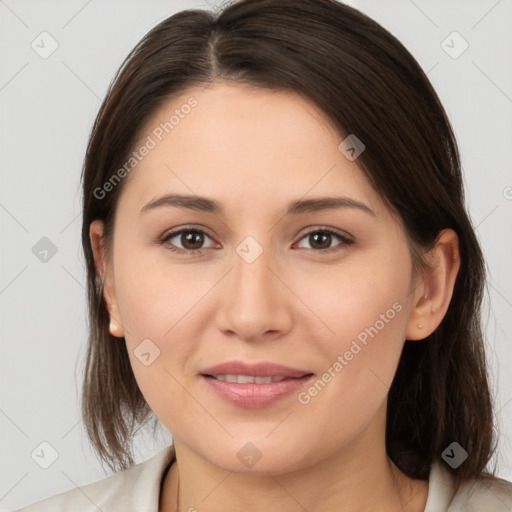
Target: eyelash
345, 241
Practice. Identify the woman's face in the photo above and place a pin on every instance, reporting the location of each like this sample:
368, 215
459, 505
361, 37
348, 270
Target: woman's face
261, 285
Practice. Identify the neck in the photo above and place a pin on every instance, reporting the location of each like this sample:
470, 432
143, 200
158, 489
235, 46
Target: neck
356, 478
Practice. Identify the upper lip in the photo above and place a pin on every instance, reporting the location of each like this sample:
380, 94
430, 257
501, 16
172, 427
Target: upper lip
261, 369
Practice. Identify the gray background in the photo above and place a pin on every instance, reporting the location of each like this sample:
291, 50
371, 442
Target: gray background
47, 110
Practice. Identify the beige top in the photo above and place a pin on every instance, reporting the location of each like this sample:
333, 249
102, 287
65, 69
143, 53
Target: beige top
138, 489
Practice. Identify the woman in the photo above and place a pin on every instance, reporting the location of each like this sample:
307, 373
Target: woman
282, 272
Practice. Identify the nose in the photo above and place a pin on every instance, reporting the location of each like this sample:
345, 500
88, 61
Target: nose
255, 302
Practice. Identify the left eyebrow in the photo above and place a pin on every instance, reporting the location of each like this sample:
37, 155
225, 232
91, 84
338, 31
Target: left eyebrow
206, 204
326, 203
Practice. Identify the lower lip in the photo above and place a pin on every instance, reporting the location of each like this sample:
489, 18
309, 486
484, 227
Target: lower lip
254, 395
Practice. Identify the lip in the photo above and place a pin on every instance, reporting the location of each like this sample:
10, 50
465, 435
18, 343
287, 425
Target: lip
255, 395
261, 369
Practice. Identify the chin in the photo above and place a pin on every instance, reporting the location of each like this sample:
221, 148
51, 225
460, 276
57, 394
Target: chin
259, 457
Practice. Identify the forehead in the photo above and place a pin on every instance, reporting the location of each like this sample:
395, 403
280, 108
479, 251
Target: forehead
243, 145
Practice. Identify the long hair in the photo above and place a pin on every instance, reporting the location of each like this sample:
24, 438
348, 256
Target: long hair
368, 84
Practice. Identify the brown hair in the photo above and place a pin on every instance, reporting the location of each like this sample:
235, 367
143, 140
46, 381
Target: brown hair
368, 84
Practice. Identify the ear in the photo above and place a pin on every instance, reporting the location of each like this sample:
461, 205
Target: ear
96, 230
432, 295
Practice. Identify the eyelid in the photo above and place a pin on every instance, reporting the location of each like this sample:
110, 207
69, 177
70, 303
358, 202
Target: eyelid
313, 228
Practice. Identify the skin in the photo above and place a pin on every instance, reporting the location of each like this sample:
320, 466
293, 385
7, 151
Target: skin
254, 151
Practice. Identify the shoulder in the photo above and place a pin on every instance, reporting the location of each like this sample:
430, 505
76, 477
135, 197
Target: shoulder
482, 494
136, 488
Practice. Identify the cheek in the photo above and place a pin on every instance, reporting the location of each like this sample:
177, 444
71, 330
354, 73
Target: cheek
153, 295
352, 298
363, 311
155, 310
149, 305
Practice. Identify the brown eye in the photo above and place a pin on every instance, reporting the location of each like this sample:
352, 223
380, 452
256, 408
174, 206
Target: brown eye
190, 239
321, 240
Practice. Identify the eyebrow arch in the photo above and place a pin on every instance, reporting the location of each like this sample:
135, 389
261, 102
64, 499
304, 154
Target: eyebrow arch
205, 204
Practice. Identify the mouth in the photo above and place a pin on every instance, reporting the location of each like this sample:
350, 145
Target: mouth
248, 372
254, 385
253, 379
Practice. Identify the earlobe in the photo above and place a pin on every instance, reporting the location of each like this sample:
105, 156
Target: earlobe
433, 294
97, 243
